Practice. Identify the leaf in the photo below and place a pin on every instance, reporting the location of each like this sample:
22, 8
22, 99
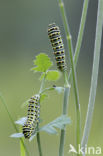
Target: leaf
42, 97
59, 89
32, 137
42, 63
21, 121
49, 129
58, 123
53, 75
17, 135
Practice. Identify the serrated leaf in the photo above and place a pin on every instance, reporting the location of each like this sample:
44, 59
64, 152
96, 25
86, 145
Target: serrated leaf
53, 75
49, 129
21, 121
17, 135
58, 123
42, 63
42, 97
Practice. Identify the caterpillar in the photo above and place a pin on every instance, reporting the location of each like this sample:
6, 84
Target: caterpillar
57, 45
30, 127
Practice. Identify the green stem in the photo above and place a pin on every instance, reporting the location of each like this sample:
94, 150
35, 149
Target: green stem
22, 149
12, 121
65, 109
80, 36
95, 70
47, 89
38, 141
78, 131
42, 84
38, 134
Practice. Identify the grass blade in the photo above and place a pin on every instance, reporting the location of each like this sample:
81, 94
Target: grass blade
12, 122
94, 73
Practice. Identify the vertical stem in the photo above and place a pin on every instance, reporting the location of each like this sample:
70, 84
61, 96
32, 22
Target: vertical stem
42, 83
38, 141
65, 110
22, 149
94, 73
78, 126
38, 134
78, 131
80, 35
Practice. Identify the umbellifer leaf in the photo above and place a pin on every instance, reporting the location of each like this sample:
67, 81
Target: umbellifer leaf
42, 97
17, 135
53, 75
21, 121
59, 89
58, 123
42, 63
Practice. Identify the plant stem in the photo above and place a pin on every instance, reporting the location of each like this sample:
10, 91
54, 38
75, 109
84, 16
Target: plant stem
47, 89
65, 109
94, 73
42, 84
78, 131
12, 121
22, 149
80, 36
38, 141
38, 134
78, 126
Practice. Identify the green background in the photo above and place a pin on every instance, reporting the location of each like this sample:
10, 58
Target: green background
23, 35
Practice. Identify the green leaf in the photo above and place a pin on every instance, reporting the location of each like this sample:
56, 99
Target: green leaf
59, 89
53, 75
17, 135
21, 121
58, 123
42, 63
49, 129
42, 97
